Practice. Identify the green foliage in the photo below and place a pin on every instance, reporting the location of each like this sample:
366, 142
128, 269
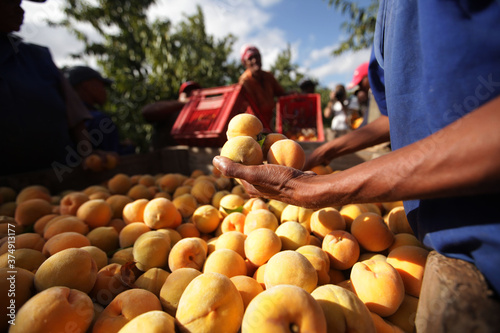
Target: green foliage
360, 25
148, 61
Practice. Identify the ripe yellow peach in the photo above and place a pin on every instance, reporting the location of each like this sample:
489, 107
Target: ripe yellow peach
244, 124
243, 149
326, 220
231, 203
63, 241
173, 234
188, 230
119, 184
139, 191
378, 285
182, 189
33, 192
161, 213
320, 261
276, 207
71, 202
70, 223
254, 204
290, 267
124, 307
108, 284
152, 321
233, 240
233, 222
270, 139
287, 152
151, 249
260, 245
146, 180
313, 240
297, 214
409, 261
131, 232
29, 240
41, 223
28, 259
105, 238
350, 212
95, 188
210, 303
248, 288
405, 239
100, 257
103, 195
73, 268
203, 191
240, 190
371, 232
388, 206
169, 182
284, 308
293, 235
398, 222
29, 211
122, 256
96, 213
186, 204
188, 252
68, 308
344, 311
134, 211
216, 198
260, 218
206, 218
342, 249
173, 287
372, 256
152, 280
225, 261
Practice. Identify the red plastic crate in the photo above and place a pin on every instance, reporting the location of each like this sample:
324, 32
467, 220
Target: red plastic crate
299, 117
203, 121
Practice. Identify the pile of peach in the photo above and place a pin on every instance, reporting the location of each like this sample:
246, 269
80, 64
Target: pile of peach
194, 253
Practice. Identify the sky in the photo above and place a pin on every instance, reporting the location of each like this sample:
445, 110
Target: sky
310, 27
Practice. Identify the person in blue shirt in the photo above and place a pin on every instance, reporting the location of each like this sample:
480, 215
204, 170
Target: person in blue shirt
435, 74
41, 117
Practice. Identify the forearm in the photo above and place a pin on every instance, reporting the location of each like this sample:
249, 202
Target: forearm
461, 159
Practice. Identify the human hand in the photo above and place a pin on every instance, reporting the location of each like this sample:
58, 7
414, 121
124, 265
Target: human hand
317, 157
270, 181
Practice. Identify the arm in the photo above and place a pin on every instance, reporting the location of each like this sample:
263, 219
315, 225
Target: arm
161, 110
460, 159
374, 133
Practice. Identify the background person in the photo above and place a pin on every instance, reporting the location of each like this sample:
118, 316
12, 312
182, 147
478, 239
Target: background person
336, 109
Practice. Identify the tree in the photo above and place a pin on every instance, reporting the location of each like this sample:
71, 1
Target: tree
360, 26
148, 61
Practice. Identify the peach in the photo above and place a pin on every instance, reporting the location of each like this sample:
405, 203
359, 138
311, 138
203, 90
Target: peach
254, 204
152, 321
20, 281
231, 203
260, 218
33, 192
211, 245
350, 212
151, 249
293, 235
94, 163
8, 209
8, 194
124, 307
152, 280
99, 256
122, 256
173, 234
233, 222
105, 238
131, 232
240, 190
344, 311
378, 285
388, 206
258, 275
139, 191
63, 241
203, 190
313, 240
225, 261
216, 198
169, 182
103, 195
372, 256
384, 326
244, 124
188, 252
276, 207
119, 183
243, 149
260, 245
290, 267
28, 259
210, 303
161, 213
336, 276
186, 204
248, 288
29, 211
320, 261
371, 232
404, 317
27, 240
405, 239
409, 261
117, 202
182, 189
321, 170
96, 213
287, 152
173, 287
270, 139
146, 180
206, 218
67, 224
69, 309
284, 308
326, 220
342, 249
73, 268
188, 230
71, 202
108, 284
297, 214
41, 223
118, 224
233, 240
134, 211
398, 222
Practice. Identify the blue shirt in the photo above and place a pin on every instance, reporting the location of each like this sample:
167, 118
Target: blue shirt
34, 130
432, 63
